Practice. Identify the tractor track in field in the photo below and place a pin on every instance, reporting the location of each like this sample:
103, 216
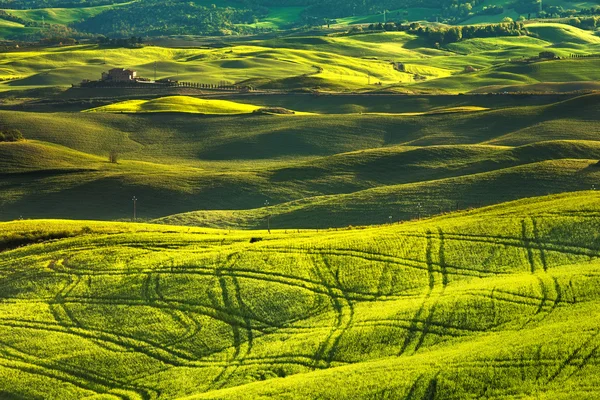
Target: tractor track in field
346, 311
75, 375
321, 356
235, 302
430, 251
575, 354
292, 281
561, 247
442, 257
429, 317
420, 325
303, 360
418, 316
526, 244
416, 264
539, 244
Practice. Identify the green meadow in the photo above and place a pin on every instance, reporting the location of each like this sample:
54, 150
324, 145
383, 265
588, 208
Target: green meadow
495, 303
372, 216
333, 62
339, 161
177, 104
61, 16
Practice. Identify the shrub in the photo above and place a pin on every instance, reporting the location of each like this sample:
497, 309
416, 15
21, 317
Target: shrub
11, 135
113, 157
274, 110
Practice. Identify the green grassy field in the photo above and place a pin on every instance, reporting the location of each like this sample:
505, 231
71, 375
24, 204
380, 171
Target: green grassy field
180, 104
61, 16
329, 63
352, 160
370, 246
496, 303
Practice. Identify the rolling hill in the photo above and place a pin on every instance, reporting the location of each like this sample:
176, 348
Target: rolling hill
324, 62
179, 104
316, 170
495, 303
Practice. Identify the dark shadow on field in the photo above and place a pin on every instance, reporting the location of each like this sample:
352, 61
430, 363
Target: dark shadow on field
12, 396
109, 198
418, 43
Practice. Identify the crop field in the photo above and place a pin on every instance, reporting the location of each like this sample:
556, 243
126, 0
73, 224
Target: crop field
496, 303
329, 63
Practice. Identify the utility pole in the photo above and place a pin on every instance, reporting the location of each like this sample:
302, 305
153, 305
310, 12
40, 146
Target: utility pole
419, 207
268, 216
134, 208
154, 71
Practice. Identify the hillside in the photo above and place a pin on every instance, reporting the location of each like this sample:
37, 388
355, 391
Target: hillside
180, 104
322, 168
231, 17
495, 303
332, 62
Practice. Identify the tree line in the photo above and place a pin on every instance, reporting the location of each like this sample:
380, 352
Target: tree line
171, 17
28, 4
450, 34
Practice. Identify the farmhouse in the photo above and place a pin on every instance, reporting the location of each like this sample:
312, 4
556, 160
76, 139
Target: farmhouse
120, 75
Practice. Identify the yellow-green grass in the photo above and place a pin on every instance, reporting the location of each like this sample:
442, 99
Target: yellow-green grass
450, 110
279, 18
189, 137
560, 33
410, 14
498, 46
492, 19
9, 29
497, 303
179, 104
518, 74
341, 63
66, 66
61, 16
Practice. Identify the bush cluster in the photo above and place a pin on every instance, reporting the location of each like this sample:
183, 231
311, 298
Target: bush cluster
445, 35
11, 135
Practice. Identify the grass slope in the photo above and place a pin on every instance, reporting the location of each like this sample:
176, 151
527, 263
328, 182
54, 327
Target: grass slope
310, 168
406, 201
335, 62
61, 16
497, 303
180, 104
